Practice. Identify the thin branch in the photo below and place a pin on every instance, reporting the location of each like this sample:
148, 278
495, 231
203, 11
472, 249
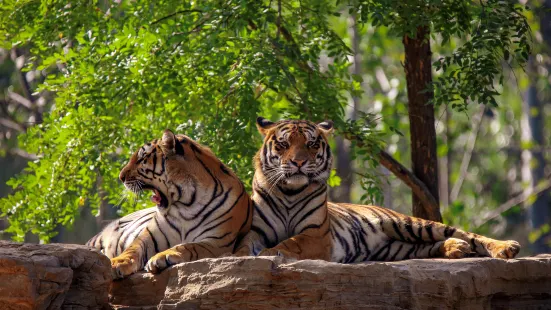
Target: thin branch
469, 147
26, 87
21, 76
20, 99
534, 191
11, 124
22, 153
417, 186
174, 14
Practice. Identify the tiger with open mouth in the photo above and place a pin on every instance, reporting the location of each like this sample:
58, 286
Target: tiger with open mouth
202, 208
293, 218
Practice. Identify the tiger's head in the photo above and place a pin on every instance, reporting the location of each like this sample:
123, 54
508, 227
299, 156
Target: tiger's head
295, 152
173, 167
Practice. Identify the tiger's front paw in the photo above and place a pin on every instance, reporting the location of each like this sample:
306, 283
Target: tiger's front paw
122, 266
504, 249
278, 252
455, 248
163, 260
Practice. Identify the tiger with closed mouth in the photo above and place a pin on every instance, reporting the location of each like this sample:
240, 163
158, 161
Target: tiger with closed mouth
202, 208
293, 218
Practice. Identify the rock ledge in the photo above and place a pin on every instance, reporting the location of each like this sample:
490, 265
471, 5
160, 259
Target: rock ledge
272, 282
53, 276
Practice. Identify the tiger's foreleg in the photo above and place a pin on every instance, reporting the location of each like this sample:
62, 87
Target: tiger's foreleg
134, 257
182, 253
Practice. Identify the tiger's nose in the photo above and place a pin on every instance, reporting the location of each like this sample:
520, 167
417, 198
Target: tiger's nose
298, 162
122, 175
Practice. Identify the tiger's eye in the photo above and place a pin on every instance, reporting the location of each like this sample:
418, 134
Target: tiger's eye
284, 145
312, 144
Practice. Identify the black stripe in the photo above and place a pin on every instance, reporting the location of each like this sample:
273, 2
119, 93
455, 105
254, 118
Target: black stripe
213, 227
268, 199
265, 220
407, 255
206, 216
393, 258
397, 230
343, 243
173, 226
204, 247
154, 241
229, 209
309, 213
260, 232
162, 232
449, 231
179, 149
428, 228
473, 244
430, 250
143, 175
249, 209
409, 228
387, 246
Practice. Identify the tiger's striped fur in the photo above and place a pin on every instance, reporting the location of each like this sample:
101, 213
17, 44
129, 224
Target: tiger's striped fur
202, 208
293, 218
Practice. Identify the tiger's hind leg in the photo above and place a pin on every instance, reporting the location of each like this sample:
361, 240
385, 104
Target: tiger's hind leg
416, 230
395, 250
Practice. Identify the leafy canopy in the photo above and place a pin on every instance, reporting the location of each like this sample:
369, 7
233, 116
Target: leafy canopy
124, 72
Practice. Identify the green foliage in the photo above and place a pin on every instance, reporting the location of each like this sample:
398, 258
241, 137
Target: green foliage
494, 32
334, 180
128, 71
124, 72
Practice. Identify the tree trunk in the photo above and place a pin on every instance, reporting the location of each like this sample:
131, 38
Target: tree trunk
533, 161
444, 163
424, 162
344, 163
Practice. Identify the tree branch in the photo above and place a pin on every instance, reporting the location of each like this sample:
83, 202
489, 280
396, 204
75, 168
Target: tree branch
21, 76
469, 147
20, 99
174, 14
11, 124
542, 187
419, 188
22, 153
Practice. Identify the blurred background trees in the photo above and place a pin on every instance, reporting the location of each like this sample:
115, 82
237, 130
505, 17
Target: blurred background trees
83, 84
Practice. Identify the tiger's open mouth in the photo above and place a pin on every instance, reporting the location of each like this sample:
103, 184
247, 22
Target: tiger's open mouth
159, 198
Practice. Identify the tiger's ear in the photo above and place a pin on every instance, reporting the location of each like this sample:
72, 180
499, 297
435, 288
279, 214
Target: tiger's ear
326, 127
168, 143
264, 125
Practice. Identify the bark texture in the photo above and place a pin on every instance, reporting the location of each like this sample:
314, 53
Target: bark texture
424, 162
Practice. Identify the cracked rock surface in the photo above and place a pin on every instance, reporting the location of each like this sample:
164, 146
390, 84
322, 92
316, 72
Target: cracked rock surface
66, 276
53, 276
272, 282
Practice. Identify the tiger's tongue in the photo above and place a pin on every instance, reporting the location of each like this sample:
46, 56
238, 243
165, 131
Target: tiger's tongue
156, 198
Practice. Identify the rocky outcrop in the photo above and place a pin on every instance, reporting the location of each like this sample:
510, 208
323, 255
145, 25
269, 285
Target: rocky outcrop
77, 277
271, 282
53, 276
